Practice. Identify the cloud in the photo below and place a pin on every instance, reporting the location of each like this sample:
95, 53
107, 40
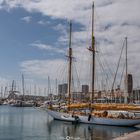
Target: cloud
47, 47
43, 22
113, 21
60, 27
54, 9
26, 19
78, 11
55, 69
5, 86
43, 68
3, 81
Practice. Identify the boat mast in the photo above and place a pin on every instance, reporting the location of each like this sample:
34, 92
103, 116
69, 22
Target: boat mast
5, 91
126, 71
70, 65
49, 86
126, 62
93, 54
13, 84
23, 90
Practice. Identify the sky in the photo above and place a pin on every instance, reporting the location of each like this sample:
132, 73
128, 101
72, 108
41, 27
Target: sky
34, 37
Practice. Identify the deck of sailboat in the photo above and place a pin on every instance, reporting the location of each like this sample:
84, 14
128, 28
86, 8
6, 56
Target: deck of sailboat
107, 106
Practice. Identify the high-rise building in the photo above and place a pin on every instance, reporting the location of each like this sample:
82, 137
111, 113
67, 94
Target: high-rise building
62, 89
85, 89
59, 89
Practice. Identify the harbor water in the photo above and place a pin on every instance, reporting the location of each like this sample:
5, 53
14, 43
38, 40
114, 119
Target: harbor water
18, 123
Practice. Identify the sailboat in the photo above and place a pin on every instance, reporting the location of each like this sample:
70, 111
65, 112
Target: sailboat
22, 102
87, 114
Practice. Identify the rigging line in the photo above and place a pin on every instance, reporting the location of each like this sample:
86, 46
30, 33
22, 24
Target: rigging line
90, 72
98, 72
82, 67
76, 72
74, 84
117, 66
102, 65
105, 64
111, 71
102, 68
72, 88
106, 77
62, 71
122, 75
89, 28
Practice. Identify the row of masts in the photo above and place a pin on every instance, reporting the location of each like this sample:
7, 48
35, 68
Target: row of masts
92, 49
31, 90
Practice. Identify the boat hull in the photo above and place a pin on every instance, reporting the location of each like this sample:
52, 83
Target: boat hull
94, 120
22, 104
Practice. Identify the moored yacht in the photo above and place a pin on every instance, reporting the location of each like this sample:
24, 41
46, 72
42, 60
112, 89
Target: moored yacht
88, 113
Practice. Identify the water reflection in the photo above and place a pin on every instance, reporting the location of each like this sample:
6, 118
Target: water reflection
85, 131
22, 124
32, 124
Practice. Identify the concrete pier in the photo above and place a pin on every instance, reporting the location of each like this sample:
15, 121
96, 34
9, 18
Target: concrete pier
131, 136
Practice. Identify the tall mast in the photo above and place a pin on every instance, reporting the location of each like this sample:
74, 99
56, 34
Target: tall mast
56, 86
13, 84
23, 90
49, 86
93, 54
126, 60
70, 65
5, 91
126, 72
35, 90
1, 91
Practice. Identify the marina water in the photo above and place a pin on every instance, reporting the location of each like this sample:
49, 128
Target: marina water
34, 124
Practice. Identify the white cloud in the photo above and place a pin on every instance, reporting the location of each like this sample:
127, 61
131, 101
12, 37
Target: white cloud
43, 68
42, 46
47, 47
113, 21
3, 81
43, 22
60, 27
26, 19
55, 8
5, 86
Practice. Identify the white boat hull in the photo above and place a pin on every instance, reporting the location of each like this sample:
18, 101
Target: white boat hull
93, 120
